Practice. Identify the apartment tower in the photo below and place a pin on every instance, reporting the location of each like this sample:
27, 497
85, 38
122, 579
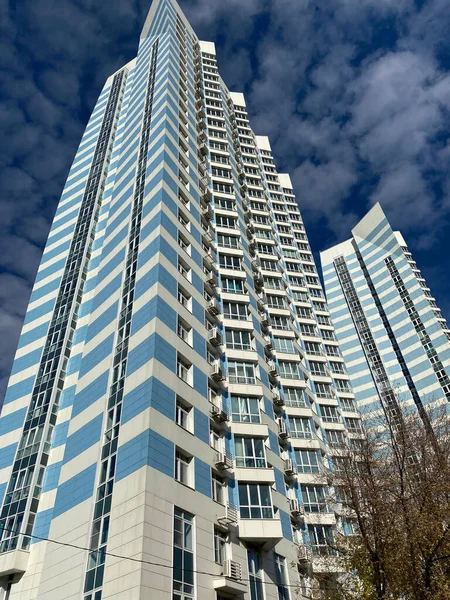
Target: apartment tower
394, 339
178, 392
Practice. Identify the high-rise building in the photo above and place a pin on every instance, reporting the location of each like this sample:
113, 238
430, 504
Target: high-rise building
178, 390
393, 337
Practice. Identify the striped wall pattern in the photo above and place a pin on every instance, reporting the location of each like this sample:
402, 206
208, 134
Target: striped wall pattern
409, 333
200, 375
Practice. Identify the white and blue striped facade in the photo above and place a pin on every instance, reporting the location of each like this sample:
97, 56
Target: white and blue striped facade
177, 363
393, 337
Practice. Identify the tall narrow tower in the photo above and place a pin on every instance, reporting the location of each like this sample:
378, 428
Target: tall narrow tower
178, 393
394, 338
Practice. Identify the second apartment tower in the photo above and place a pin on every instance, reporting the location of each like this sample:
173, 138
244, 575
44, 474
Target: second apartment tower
178, 393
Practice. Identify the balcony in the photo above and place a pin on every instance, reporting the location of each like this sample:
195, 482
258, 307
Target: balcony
265, 533
258, 475
15, 561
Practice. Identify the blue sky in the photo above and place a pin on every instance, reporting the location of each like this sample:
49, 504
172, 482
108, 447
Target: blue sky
354, 94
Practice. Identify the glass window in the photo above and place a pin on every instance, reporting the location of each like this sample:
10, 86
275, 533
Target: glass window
308, 329
238, 340
184, 369
323, 390
277, 301
348, 404
300, 428
313, 348
218, 487
184, 297
335, 438
314, 498
255, 501
281, 577
183, 556
222, 221
183, 467
184, 330
227, 241
330, 414
269, 265
235, 310
285, 345
307, 461
227, 261
274, 283
290, 370
353, 425
232, 286
220, 546
241, 372
317, 368
245, 409
321, 537
295, 397
278, 322
255, 576
343, 385
250, 452
183, 414
337, 367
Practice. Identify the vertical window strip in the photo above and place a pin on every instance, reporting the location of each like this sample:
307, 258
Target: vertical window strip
20, 505
100, 526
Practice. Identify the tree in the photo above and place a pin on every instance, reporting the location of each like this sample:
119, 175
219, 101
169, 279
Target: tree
393, 488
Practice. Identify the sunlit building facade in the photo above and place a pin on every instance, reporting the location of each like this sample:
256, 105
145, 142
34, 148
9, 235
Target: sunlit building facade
178, 392
393, 337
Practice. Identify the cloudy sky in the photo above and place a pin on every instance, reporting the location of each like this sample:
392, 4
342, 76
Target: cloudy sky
354, 94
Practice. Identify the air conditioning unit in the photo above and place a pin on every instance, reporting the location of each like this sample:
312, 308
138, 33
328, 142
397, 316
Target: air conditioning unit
268, 342
215, 337
262, 302
272, 368
219, 414
209, 261
264, 319
296, 508
207, 212
223, 460
206, 195
282, 429
211, 280
232, 513
303, 554
232, 570
277, 399
216, 372
289, 467
213, 307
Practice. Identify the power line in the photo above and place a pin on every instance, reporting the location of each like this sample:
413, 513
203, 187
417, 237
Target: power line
149, 562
